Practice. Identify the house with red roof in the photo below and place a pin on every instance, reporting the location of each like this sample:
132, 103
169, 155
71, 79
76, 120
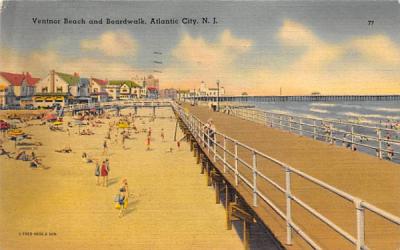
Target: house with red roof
17, 89
97, 90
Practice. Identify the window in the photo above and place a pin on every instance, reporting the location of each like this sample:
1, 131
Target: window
44, 90
95, 90
59, 89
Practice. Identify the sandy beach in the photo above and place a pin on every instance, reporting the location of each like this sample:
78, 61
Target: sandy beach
61, 207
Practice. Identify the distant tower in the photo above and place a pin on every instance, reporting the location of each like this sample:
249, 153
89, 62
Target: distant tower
203, 87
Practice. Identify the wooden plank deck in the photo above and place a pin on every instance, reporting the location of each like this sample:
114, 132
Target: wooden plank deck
361, 175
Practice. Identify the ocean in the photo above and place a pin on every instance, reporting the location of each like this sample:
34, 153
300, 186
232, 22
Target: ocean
383, 114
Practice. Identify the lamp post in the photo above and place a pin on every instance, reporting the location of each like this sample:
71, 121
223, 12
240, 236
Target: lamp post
218, 95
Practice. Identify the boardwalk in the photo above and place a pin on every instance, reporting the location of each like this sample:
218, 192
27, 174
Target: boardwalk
372, 180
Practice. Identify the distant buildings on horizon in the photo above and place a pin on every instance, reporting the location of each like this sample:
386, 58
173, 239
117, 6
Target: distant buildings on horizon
203, 90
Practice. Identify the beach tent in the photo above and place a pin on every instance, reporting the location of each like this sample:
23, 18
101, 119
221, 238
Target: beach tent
50, 117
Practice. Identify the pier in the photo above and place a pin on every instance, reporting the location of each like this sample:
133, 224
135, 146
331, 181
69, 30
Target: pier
295, 98
310, 194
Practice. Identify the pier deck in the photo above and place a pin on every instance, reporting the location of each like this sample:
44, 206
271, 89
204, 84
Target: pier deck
363, 176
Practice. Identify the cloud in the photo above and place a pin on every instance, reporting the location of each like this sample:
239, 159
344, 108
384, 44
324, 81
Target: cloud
377, 48
118, 43
317, 53
196, 59
360, 65
40, 62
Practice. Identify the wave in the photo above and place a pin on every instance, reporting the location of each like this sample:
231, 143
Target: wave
319, 110
388, 110
376, 116
319, 104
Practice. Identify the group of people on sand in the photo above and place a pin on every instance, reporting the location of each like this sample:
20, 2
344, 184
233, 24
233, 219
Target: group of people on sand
22, 155
102, 170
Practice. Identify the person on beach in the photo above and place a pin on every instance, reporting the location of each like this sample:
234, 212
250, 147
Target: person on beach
178, 144
86, 158
104, 173
162, 134
149, 132
4, 152
22, 156
123, 196
35, 163
148, 142
105, 147
97, 173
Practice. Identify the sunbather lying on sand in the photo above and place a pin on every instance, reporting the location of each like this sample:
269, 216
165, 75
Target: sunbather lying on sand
4, 152
64, 150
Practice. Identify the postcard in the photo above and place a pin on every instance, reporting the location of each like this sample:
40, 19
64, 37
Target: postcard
199, 125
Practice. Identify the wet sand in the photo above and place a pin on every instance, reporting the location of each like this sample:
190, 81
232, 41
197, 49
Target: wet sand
171, 207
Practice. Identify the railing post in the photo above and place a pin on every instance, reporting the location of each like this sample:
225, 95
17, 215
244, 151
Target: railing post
236, 164
379, 134
215, 145
360, 225
224, 154
254, 179
352, 137
208, 141
301, 126
288, 207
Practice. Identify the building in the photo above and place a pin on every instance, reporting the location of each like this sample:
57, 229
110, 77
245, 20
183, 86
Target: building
123, 89
213, 92
97, 90
17, 89
182, 94
169, 94
61, 88
152, 86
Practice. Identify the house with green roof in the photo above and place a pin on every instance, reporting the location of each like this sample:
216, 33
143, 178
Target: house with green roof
123, 89
60, 88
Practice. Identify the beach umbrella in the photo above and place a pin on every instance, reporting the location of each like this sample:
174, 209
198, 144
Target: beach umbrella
123, 125
57, 123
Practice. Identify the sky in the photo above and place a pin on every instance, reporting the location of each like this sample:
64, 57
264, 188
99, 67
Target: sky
259, 47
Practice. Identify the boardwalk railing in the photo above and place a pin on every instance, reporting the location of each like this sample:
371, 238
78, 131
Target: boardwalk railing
215, 144
380, 141
120, 104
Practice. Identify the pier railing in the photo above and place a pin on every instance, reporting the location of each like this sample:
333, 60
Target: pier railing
380, 141
249, 173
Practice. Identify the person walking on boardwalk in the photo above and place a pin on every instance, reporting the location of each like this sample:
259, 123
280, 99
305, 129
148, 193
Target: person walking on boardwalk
206, 129
97, 172
104, 173
212, 133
